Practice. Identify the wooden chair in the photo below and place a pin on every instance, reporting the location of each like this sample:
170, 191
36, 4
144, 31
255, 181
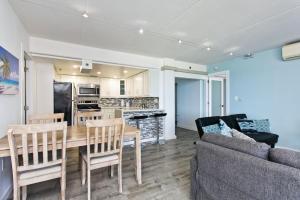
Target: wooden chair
104, 148
46, 118
82, 117
31, 167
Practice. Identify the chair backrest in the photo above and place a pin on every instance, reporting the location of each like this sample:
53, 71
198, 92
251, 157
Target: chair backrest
29, 140
106, 136
46, 118
82, 117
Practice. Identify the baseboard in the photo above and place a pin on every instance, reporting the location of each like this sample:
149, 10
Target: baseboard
187, 126
8, 193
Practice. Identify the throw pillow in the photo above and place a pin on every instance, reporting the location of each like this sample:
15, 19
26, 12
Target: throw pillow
237, 134
262, 125
225, 129
215, 128
246, 125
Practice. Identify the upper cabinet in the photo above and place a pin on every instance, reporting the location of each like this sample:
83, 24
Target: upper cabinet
137, 85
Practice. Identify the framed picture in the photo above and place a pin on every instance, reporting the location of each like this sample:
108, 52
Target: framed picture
9, 73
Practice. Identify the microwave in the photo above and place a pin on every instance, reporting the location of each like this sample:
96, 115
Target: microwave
88, 90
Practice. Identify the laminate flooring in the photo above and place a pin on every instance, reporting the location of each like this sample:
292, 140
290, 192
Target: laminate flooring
165, 174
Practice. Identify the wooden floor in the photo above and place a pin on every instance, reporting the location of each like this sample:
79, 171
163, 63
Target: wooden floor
165, 169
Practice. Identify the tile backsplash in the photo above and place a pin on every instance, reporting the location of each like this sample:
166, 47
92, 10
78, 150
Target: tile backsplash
147, 102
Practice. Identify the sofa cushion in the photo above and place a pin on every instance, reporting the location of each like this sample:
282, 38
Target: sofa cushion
246, 125
260, 150
214, 128
286, 157
240, 135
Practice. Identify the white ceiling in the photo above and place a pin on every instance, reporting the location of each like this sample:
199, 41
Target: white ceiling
225, 25
72, 68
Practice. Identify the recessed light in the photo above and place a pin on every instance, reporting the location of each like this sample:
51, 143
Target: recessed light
141, 31
115, 76
179, 41
98, 72
75, 66
231, 54
208, 48
74, 73
85, 15
125, 71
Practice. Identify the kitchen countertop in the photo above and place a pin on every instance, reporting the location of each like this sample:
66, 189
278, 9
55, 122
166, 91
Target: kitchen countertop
140, 109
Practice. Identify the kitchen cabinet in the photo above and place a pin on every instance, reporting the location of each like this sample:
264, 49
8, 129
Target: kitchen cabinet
109, 87
108, 113
138, 85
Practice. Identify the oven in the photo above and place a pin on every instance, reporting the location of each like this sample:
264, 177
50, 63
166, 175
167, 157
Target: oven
88, 90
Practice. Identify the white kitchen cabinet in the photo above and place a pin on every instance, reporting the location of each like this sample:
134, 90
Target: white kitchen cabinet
109, 87
138, 85
108, 113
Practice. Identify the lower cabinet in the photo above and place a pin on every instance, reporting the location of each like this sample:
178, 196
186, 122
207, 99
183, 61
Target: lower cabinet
108, 113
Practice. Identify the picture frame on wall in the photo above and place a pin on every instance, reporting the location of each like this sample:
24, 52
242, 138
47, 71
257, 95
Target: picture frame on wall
9, 73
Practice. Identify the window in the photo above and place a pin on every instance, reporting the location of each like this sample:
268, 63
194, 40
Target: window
122, 87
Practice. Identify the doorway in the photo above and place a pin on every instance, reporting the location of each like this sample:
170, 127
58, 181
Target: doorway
189, 102
218, 94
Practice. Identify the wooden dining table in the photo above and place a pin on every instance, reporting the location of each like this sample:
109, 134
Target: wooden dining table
76, 137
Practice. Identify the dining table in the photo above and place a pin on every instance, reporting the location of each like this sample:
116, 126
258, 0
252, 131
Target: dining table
76, 137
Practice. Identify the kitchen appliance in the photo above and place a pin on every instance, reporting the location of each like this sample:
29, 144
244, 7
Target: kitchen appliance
88, 90
63, 101
88, 106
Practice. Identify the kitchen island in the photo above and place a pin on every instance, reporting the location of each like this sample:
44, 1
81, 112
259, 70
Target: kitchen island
150, 126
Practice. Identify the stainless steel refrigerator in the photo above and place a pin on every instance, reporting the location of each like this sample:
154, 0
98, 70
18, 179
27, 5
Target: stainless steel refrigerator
63, 100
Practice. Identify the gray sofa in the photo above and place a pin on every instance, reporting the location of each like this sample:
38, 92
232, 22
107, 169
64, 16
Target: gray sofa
227, 168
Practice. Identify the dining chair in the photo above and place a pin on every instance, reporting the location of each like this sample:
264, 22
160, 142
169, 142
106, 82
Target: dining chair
28, 166
82, 117
46, 118
104, 148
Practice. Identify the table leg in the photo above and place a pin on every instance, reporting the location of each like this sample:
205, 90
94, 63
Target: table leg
138, 158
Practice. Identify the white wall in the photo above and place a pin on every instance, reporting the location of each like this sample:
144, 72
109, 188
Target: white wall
14, 38
189, 102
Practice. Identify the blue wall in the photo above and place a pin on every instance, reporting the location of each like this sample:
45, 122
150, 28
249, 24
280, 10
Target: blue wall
268, 88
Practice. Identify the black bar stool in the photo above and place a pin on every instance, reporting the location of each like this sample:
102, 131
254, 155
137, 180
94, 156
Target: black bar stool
157, 116
138, 119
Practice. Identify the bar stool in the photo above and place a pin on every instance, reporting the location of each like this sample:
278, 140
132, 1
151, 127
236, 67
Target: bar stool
157, 116
138, 119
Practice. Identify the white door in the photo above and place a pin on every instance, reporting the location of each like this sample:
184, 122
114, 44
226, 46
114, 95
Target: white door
216, 93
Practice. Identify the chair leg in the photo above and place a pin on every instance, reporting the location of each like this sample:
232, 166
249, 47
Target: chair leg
120, 177
89, 183
24, 192
112, 171
83, 172
63, 187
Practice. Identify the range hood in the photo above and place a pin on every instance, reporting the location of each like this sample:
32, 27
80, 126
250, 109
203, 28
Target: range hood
86, 66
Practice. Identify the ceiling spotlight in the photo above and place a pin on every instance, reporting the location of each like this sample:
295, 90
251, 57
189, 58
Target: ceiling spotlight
75, 66
141, 31
208, 48
85, 15
98, 72
115, 76
125, 71
74, 73
231, 54
179, 41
